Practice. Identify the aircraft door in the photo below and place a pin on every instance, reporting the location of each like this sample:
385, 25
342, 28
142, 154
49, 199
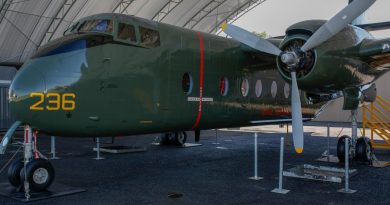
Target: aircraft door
182, 82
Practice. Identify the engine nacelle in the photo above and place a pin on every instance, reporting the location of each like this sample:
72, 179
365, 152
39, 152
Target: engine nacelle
330, 67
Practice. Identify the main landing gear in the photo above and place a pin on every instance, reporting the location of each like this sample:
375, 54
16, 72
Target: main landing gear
173, 138
360, 149
30, 173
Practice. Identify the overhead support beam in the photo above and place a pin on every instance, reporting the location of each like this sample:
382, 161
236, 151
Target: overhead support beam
4, 8
166, 9
236, 14
122, 6
56, 21
203, 13
36, 46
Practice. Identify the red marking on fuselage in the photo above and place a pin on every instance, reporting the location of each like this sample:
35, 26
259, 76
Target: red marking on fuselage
36, 156
201, 68
267, 112
26, 134
282, 112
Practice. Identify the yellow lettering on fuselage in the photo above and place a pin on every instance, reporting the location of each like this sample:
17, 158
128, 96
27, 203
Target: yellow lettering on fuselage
54, 101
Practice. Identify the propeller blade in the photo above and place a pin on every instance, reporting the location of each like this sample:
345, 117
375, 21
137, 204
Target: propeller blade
337, 23
297, 124
250, 39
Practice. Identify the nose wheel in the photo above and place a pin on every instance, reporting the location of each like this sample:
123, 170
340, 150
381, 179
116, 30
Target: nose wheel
39, 174
14, 170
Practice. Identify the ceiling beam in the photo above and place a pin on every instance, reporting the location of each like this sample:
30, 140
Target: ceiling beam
236, 14
122, 6
166, 9
4, 8
202, 13
56, 21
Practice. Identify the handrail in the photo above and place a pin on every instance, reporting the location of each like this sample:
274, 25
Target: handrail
383, 106
383, 100
378, 121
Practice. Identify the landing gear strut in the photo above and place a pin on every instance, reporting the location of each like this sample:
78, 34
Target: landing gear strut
173, 138
30, 173
360, 148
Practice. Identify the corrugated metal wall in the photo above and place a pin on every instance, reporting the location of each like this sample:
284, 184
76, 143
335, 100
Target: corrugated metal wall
6, 118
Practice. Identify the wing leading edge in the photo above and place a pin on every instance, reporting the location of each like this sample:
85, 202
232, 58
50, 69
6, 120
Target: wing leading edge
376, 53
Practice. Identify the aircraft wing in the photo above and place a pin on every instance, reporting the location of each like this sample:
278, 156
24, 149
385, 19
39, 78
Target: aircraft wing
262, 58
375, 26
376, 52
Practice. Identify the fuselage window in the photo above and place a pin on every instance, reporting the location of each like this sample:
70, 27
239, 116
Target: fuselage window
104, 26
149, 37
126, 32
286, 90
258, 88
223, 86
245, 87
274, 89
187, 83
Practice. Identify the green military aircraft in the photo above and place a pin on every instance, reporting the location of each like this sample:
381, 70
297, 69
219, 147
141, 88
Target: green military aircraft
113, 74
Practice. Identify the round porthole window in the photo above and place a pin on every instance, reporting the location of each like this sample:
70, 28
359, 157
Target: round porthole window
286, 90
223, 86
274, 89
245, 87
258, 88
187, 83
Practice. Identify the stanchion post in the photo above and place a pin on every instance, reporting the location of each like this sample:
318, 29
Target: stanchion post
346, 169
280, 189
98, 149
53, 148
256, 177
328, 141
216, 137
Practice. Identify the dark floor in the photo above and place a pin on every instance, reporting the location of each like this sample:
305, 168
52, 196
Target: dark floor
203, 175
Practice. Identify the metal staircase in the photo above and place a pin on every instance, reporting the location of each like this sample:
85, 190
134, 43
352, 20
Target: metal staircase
376, 117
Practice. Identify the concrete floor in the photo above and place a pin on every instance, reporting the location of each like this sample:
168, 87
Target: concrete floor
208, 174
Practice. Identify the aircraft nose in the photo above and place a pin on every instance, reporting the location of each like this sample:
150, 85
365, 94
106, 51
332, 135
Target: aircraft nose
27, 82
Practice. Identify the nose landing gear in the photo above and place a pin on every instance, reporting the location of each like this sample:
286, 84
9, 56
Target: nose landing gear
30, 173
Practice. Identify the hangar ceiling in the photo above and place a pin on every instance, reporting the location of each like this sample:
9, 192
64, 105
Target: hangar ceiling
25, 25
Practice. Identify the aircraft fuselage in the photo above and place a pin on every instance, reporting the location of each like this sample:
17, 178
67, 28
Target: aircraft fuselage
109, 87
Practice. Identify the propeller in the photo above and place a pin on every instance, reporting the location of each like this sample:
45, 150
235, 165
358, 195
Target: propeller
293, 59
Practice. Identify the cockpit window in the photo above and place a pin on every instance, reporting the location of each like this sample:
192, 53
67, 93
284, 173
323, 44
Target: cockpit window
104, 26
126, 32
73, 46
73, 43
149, 37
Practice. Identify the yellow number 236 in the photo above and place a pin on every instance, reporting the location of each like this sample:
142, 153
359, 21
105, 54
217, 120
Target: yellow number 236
54, 101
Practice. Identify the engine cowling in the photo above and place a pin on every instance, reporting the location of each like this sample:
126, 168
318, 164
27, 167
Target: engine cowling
330, 67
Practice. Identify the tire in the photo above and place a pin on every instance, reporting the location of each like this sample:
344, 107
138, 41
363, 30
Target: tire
39, 173
180, 138
363, 149
14, 170
167, 138
341, 148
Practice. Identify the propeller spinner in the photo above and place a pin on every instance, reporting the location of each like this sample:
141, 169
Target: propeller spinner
294, 58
